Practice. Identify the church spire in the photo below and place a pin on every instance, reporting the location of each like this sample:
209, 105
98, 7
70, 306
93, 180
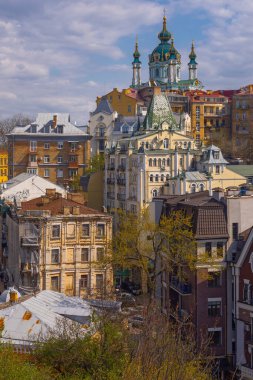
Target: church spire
136, 81
192, 64
164, 36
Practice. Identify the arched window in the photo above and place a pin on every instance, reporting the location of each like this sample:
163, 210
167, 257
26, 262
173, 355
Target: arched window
193, 188
156, 177
157, 72
162, 177
201, 186
147, 145
154, 193
167, 177
173, 188
168, 162
154, 162
166, 143
151, 178
159, 162
125, 129
150, 162
164, 162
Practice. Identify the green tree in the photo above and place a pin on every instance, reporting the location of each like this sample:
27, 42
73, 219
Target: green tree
96, 164
154, 248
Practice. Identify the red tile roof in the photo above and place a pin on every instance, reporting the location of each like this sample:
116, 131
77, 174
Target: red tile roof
56, 206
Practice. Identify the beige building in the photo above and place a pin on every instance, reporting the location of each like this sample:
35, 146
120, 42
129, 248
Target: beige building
56, 243
136, 168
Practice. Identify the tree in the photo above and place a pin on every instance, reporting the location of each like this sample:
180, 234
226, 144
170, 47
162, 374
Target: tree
7, 125
154, 248
96, 164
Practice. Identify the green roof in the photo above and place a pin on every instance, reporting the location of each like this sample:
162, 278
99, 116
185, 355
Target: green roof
244, 170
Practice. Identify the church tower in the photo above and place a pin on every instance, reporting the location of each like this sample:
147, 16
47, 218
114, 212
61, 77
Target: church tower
192, 64
136, 81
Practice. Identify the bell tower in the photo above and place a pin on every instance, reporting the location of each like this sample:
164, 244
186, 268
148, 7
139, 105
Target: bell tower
192, 64
136, 81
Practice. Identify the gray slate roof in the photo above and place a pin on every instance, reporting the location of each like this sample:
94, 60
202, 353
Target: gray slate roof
104, 107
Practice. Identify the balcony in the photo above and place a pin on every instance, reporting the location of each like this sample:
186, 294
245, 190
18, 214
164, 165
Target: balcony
246, 372
30, 241
121, 168
110, 181
111, 195
32, 164
73, 164
121, 181
182, 287
121, 197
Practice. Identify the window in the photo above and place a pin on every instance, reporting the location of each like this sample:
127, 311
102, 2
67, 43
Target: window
151, 178
197, 112
208, 249
166, 143
157, 178
157, 72
33, 129
246, 292
73, 173
59, 129
154, 193
85, 229
46, 173
150, 162
55, 283
59, 173
73, 158
84, 281
46, 159
100, 230
32, 171
129, 108
193, 188
214, 279
217, 169
159, 162
84, 255
214, 336
99, 281
33, 158
197, 126
154, 162
100, 253
235, 231
55, 256
73, 146
214, 308
181, 161
71, 230
33, 146
220, 249
216, 155
59, 159
162, 177
60, 145
46, 146
56, 229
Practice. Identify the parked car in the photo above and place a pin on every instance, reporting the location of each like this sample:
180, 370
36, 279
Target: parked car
136, 321
127, 299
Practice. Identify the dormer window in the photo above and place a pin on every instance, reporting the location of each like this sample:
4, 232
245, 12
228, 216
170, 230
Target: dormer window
60, 129
33, 128
216, 155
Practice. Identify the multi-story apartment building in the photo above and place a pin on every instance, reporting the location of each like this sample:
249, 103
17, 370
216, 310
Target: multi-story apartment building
137, 167
57, 243
242, 120
51, 147
3, 165
210, 115
200, 295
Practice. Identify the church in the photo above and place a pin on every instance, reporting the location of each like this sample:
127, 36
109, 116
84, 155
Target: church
165, 66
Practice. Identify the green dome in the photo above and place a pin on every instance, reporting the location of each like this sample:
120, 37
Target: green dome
163, 49
164, 35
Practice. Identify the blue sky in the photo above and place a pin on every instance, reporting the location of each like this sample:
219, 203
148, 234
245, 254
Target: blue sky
57, 56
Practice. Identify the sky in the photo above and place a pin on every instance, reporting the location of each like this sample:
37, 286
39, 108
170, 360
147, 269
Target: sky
58, 56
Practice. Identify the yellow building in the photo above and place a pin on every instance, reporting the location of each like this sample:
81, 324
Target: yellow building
210, 116
56, 244
125, 102
3, 166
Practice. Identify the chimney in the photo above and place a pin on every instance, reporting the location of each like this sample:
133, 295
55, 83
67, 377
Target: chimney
54, 120
50, 192
218, 193
45, 199
76, 197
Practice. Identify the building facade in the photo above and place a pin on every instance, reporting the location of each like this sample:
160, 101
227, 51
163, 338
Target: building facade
3, 165
51, 147
57, 243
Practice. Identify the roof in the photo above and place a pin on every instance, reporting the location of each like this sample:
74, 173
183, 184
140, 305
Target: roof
195, 176
44, 123
37, 314
56, 206
103, 106
244, 170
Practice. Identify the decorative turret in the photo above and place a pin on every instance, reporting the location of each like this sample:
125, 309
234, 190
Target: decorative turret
136, 67
164, 36
172, 51
192, 64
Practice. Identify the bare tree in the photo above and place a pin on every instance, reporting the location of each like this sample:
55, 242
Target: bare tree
7, 125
